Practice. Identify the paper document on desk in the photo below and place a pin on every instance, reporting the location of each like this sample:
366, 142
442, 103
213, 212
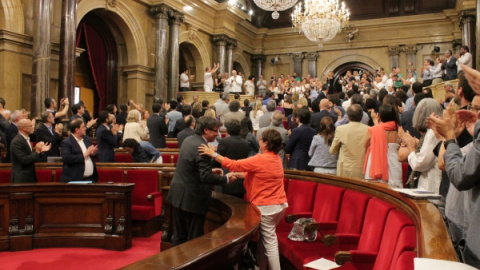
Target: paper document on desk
428, 264
417, 193
322, 264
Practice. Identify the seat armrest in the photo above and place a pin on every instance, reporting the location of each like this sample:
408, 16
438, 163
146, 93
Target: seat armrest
293, 217
342, 257
363, 256
329, 240
156, 198
347, 239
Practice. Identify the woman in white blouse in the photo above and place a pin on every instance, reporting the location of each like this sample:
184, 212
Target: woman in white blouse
134, 129
256, 113
420, 153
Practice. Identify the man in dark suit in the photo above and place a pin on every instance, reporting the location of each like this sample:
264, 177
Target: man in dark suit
23, 156
122, 115
12, 131
233, 147
49, 133
187, 132
300, 140
450, 66
106, 137
77, 155
325, 111
157, 126
191, 189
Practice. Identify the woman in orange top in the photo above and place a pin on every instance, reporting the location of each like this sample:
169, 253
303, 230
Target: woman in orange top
263, 175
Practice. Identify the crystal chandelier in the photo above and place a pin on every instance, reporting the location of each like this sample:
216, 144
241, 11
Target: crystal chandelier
275, 6
320, 20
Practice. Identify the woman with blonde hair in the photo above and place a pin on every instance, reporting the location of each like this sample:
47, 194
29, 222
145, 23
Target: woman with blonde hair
256, 113
134, 129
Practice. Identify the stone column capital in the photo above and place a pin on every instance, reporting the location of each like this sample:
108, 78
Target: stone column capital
456, 43
393, 51
467, 16
259, 58
175, 17
312, 56
232, 43
159, 11
410, 49
298, 57
220, 40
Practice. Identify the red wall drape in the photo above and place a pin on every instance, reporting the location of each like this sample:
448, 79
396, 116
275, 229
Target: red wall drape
97, 55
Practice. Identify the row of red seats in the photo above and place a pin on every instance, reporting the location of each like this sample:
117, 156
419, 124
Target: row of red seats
146, 195
124, 157
366, 232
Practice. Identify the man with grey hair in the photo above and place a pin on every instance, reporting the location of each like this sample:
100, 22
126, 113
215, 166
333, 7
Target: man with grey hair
12, 131
264, 120
349, 144
221, 106
234, 112
277, 123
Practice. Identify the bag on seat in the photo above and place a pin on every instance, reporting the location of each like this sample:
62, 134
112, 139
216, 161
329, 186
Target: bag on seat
299, 233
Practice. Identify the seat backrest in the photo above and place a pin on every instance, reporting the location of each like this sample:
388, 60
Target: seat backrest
172, 144
146, 182
373, 225
167, 158
58, 174
327, 203
407, 241
300, 196
405, 261
5, 176
123, 158
352, 212
396, 221
44, 176
175, 158
110, 175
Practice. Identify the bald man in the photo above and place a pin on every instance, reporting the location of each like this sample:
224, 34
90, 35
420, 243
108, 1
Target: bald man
325, 111
23, 155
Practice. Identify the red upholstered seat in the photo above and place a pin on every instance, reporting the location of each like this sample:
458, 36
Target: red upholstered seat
44, 176
394, 225
175, 158
110, 175
407, 241
404, 173
405, 261
58, 174
350, 222
326, 210
285, 124
123, 158
146, 200
167, 158
300, 197
5, 176
172, 144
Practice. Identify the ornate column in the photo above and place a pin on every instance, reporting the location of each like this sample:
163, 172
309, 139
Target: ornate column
161, 49
297, 63
258, 60
393, 52
68, 54
467, 24
232, 43
41, 55
173, 66
411, 51
221, 42
312, 63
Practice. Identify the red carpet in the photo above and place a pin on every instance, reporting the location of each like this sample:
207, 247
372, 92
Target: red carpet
80, 258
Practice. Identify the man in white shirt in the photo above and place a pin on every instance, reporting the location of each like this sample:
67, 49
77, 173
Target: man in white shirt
236, 82
208, 78
378, 84
262, 86
249, 86
390, 83
185, 81
465, 58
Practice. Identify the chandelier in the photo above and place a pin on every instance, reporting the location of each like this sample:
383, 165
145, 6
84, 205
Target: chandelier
320, 20
275, 6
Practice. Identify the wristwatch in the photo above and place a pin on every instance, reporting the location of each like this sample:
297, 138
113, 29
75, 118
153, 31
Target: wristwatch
215, 155
447, 142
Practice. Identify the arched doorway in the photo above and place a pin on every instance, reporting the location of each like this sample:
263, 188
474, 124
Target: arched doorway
97, 67
352, 66
238, 67
191, 59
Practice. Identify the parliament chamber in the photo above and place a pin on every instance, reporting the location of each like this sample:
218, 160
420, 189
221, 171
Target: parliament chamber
113, 51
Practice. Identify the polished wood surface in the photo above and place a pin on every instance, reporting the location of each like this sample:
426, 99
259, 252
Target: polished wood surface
65, 215
235, 220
